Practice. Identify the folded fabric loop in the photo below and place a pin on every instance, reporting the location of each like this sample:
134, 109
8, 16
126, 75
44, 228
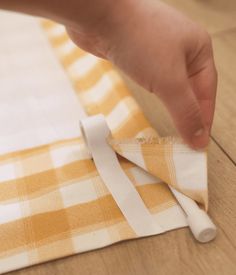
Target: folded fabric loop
96, 131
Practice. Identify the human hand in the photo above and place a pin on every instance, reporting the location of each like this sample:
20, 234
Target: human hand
167, 54
154, 44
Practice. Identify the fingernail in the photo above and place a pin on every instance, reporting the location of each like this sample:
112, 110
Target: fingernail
199, 132
200, 138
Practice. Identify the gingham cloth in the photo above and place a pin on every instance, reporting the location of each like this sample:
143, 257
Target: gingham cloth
53, 202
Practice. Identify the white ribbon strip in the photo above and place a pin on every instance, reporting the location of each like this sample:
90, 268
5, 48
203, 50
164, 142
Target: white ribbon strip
199, 222
96, 131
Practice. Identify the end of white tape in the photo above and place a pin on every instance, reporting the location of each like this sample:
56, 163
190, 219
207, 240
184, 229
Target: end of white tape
199, 222
202, 226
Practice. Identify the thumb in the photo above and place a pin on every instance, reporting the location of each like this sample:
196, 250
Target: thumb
186, 114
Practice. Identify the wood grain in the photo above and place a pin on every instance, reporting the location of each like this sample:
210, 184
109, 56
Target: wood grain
224, 130
177, 252
215, 15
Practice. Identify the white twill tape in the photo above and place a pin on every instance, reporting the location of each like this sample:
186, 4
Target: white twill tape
199, 222
96, 131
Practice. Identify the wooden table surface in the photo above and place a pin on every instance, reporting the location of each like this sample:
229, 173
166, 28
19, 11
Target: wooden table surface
177, 252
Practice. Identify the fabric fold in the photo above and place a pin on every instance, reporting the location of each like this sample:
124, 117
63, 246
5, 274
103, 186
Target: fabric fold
170, 160
133, 137
53, 200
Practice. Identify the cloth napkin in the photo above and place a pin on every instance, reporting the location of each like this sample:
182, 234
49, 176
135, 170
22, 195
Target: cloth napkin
53, 202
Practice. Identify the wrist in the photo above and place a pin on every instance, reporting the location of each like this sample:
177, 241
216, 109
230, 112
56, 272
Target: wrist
106, 28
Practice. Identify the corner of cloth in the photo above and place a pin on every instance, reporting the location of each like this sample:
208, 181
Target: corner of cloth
170, 160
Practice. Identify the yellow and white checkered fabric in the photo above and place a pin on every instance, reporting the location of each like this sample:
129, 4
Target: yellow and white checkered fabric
53, 202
